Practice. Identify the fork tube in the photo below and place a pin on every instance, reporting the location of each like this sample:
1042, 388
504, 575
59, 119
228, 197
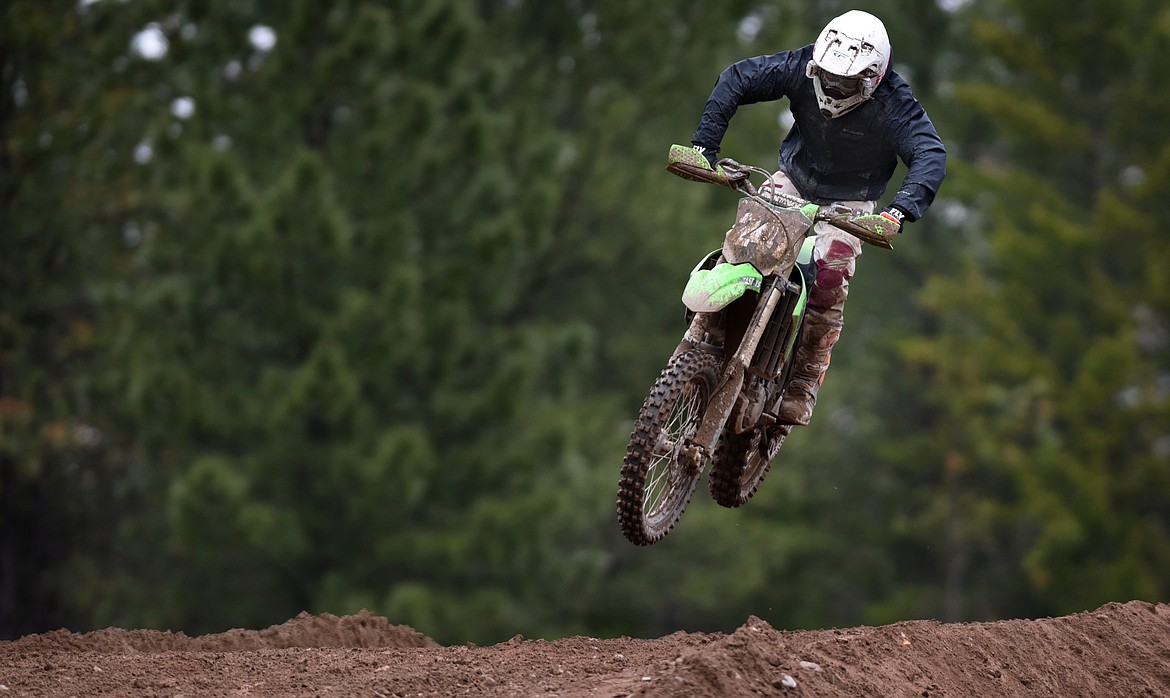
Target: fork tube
751, 338
696, 332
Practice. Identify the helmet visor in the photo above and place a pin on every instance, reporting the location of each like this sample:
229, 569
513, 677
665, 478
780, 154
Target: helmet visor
839, 86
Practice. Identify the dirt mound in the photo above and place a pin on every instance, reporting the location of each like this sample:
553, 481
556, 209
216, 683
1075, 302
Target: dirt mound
1117, 650
362, 630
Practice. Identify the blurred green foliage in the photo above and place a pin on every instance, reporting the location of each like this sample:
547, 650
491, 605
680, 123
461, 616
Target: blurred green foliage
361, 318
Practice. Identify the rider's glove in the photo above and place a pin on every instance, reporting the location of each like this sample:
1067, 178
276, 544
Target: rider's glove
712, 154
895, 215
887, 224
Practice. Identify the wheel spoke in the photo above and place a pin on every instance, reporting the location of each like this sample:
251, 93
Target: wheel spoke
664, 474
656, 488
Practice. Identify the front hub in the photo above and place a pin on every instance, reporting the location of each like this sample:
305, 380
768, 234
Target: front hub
691, 457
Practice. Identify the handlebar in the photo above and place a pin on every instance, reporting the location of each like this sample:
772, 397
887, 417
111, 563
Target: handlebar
837, 215
690, 164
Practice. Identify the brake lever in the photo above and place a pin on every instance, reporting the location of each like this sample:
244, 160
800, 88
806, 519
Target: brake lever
738, 176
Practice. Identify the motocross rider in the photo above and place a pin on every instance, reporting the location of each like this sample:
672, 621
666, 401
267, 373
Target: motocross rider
854, 117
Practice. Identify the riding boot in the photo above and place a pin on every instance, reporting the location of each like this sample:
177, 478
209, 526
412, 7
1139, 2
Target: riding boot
809, 366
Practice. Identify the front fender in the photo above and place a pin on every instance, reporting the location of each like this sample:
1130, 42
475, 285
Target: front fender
711, 290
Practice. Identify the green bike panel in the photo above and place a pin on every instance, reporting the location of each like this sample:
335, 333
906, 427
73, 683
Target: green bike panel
710, 290
806, 250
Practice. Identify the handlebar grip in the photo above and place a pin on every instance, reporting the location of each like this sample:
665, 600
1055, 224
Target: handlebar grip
866, 235
690, 164
700, 174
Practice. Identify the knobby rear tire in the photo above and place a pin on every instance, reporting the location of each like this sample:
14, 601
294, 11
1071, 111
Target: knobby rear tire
655, 487
741, 462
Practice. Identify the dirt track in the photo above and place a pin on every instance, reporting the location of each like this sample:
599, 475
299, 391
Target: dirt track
1117, 650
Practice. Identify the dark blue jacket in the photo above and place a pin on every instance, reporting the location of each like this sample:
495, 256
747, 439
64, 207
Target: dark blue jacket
849, 158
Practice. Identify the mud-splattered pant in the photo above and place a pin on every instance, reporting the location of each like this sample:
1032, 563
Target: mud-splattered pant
835, 254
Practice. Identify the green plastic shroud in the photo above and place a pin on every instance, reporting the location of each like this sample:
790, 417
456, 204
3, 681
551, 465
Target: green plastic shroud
711, 289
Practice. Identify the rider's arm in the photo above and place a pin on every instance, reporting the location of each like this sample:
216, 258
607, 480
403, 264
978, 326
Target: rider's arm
759, 79
919, 146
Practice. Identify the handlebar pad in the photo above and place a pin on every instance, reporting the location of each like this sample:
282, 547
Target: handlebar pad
866, 235
689, 163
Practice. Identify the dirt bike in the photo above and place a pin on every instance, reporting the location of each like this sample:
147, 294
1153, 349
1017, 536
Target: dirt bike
717, 400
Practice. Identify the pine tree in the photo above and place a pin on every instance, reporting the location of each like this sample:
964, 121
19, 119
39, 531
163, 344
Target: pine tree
1040, 370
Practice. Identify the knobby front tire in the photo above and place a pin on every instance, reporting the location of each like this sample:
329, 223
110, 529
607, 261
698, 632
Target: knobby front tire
655, 487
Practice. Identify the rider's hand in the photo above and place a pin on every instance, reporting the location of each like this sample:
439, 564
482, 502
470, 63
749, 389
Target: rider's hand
895, 215
712, 154
887, 224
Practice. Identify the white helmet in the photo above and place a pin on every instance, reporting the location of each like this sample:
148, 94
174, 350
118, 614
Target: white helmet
850, 58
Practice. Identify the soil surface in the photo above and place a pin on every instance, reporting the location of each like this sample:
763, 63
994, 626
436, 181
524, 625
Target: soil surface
1116, 650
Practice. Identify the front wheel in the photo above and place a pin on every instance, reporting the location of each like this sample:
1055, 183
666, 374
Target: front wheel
741, 462
656, 483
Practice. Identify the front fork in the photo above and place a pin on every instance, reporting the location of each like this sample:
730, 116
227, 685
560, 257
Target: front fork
700, 447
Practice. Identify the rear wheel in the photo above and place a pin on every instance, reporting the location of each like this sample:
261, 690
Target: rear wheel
656, 484
741, 462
